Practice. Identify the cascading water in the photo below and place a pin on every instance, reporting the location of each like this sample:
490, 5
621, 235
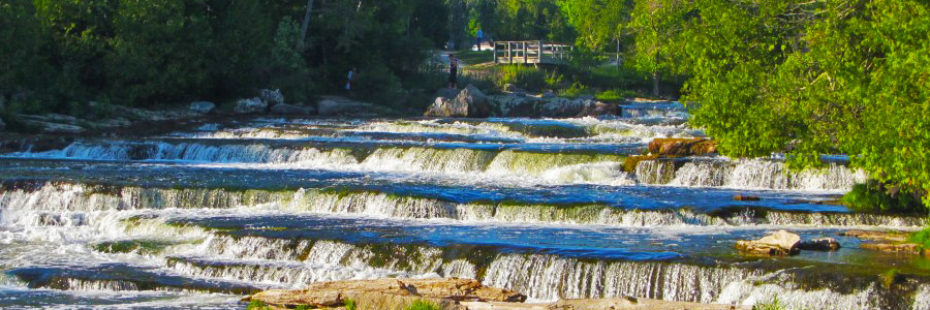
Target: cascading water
752, 173
545, 207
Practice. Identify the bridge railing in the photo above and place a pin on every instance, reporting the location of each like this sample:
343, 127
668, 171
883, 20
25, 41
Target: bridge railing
531, 52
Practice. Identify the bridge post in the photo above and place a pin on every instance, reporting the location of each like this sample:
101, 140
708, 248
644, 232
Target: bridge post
526, 59
509, 54
495, 52
539, 51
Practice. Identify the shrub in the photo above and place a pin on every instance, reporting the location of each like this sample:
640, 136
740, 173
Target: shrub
256, 305
350, 304
422, 305
774, 305
876, 197
529, 78
922, 238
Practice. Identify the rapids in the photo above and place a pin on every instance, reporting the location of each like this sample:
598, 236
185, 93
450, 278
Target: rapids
194, 219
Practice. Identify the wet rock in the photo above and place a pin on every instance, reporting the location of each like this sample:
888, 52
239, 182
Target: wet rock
470, 102
778, 243
510, 88
890, 236
202, 107
514, 105
250, 105
682, 147
335, 105
389, 293
597, 108
448, 294
820, 244
290, 109
741, 197
448, 93
897, 248
271, 97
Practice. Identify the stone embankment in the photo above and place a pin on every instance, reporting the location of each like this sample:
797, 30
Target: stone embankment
446, 294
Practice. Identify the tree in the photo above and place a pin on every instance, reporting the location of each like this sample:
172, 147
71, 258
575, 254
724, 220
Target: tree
656, 26
597, 22
159, 52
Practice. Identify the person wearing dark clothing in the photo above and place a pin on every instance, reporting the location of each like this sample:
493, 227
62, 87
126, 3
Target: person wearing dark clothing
453, 71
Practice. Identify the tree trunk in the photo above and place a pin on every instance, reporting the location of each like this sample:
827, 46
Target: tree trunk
305, 26
618, 53
655, 83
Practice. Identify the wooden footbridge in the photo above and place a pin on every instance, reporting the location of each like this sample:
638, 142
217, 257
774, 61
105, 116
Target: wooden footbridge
531, 52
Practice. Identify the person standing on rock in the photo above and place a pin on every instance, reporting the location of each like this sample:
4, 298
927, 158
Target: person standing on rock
478, 38
349, 80
453, 71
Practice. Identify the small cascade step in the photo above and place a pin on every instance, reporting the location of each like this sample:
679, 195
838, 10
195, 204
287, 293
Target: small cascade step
117, 277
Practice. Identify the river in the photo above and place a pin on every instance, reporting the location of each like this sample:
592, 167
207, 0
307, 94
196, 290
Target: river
197, 218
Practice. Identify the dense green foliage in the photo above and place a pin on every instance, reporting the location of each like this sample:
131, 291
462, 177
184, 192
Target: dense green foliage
875, 197
802, 77
148, 53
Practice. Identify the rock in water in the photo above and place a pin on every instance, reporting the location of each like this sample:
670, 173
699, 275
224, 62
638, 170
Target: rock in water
682, 147
250, 105
596, 108
271, 97
820, 244
290, 109
778, 243
335, 105
470, 102
742, 197
388, 293
202, 107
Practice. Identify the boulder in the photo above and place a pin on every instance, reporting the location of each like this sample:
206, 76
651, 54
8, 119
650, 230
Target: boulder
271, 97
290, 109
250, 105
820, 244
596, 108
897, 248
445, 107
515, 105
682, 147
335, 105
448, 93
741, 197
470, 102
561, 107
388, 293
778, 243
890, 236
510, 88
202, 107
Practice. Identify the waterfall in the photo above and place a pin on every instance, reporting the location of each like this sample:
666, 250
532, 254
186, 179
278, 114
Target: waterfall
751, 292
749, 174
655, 171
544, 277
67, 204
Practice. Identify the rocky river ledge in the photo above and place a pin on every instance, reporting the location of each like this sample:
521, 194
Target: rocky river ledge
445, 294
